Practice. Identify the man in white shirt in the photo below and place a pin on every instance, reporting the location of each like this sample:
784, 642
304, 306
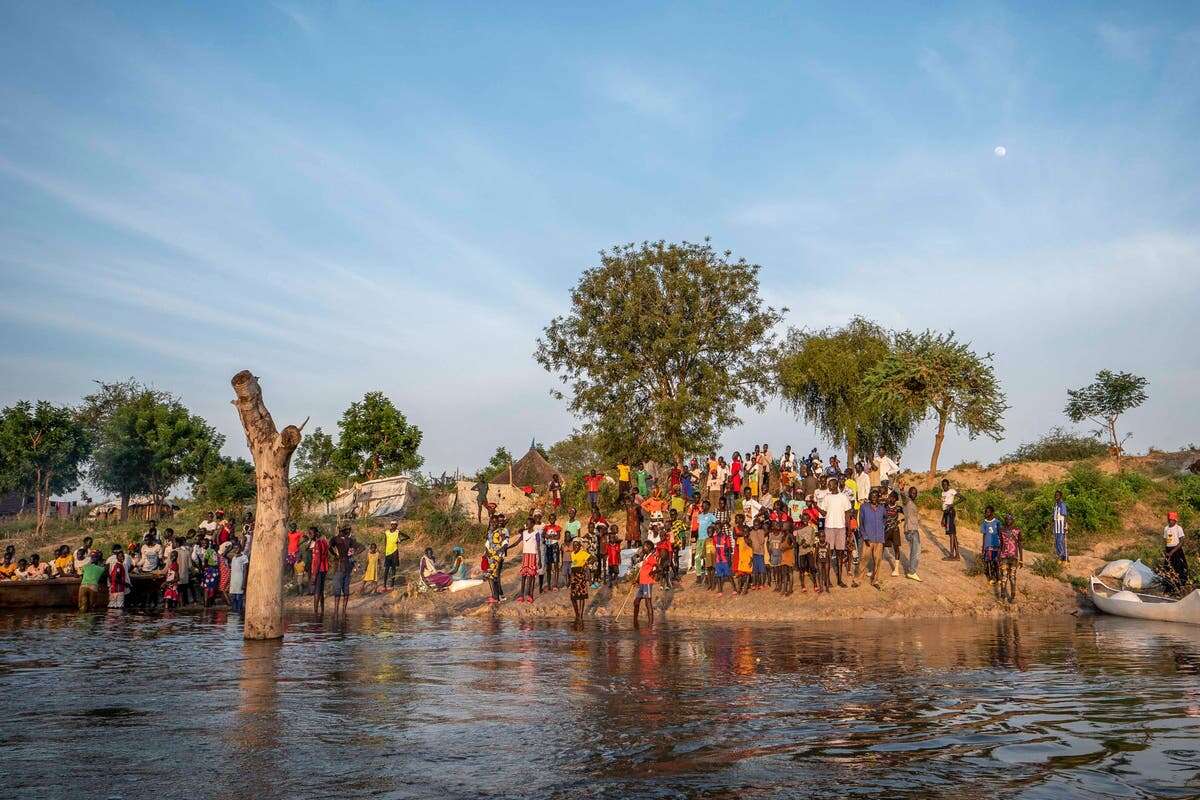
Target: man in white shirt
887, 468
750, 506
237, 580
837, 507
862, 483
1173, 550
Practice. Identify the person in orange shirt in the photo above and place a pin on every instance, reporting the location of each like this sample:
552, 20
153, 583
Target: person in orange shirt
645, 588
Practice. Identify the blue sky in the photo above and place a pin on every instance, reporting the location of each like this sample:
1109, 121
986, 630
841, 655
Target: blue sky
346, 196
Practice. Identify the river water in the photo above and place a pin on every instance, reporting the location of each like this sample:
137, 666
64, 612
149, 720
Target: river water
156, 706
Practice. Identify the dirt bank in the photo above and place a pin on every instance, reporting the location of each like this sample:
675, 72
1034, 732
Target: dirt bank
945, 591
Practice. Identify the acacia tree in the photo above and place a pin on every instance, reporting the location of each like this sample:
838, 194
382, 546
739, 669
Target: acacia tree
42, 452
1104, 400
934, 374
660, 345
820, 376
375, 440
497, 465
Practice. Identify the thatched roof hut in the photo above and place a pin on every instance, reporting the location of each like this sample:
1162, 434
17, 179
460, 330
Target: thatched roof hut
531, 470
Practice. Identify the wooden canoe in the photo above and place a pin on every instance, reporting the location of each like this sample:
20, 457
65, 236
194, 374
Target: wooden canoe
64, 592
1163, 609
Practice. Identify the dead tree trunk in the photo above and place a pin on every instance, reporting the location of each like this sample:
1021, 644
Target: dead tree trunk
272, 452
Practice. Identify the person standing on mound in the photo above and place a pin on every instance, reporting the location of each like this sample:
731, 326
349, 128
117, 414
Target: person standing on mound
580, 567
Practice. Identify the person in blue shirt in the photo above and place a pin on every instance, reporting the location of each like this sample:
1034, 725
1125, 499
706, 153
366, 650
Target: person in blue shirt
990, 528
704, 523
872, 527
1060, 527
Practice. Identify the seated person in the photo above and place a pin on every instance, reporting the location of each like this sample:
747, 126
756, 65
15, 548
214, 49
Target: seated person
460, 571
62, 565
8, 569
431, 576
23, 573
38, 570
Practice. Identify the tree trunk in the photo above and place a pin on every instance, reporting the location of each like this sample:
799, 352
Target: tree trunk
39, 514
124, 506
849, 455
272, 453
937, 444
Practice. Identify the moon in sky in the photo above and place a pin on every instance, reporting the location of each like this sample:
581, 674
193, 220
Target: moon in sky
1000, 150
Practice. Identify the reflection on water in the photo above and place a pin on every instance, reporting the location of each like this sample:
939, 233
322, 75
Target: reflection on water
142, 706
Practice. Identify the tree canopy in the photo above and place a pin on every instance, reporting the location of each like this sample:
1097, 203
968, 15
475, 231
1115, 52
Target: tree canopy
315, 453
575, 454
229, 482
934, 374
375, 440
43, 448
497, 465
149, 443
660, 345
821, 379
1104, 400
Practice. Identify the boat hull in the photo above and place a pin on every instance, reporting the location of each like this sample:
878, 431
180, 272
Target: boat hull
1186, 611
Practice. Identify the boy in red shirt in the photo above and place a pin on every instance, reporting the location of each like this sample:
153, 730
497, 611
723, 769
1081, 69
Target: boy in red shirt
593, 480
645, 589
612, 557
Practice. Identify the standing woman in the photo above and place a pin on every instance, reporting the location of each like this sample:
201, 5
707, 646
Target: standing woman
1173, 549
495, 548
580, 566
1060, 527
171, 582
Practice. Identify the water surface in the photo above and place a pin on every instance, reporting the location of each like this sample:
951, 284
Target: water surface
145, 706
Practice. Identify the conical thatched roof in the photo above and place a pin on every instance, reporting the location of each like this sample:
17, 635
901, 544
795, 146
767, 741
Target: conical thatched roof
531, 470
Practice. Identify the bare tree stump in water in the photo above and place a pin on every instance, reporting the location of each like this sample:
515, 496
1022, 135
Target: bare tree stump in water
272, 452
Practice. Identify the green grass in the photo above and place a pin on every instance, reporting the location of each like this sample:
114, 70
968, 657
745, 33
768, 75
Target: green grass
1047, 567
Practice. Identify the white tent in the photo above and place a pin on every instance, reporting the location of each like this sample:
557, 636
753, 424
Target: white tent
382, 497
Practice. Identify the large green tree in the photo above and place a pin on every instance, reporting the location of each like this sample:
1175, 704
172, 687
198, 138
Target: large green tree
821, 379
375, 440
43, 449
575, 454
315, 453
229, 482
1104, 400
661, 344
150, 443
934, 374
497, 466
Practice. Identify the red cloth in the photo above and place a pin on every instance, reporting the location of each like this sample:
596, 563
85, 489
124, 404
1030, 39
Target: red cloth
116, 577
612, 553
593, 482
735, 476
320, 558
646, 573
294, 538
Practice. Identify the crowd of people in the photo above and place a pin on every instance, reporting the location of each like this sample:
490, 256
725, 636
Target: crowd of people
749, 524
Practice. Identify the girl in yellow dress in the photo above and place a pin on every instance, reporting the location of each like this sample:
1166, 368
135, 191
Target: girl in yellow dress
371, 576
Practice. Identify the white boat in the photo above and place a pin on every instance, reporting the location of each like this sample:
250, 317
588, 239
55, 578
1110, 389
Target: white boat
1146, 606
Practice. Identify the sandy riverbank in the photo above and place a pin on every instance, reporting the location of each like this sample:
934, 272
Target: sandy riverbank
946, 590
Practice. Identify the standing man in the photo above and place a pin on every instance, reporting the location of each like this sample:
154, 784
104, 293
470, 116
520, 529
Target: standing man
209, 525
1060, 527
1173, 550
837, 510
912, 532
645, 589
481, 494
319, 549
391, 553
593, 480
623, 478
873, 527
887, 468
949, 523
343, 546
642, 476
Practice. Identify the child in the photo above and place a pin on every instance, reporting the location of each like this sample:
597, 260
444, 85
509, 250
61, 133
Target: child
716, 555
787, 557
744, 558
775, 556
990, 528
949, 498
805, 538
821, 551
580, 560
552, 535
530, 560
171, 582
370, 581
645, 589
612, 556
1012, 555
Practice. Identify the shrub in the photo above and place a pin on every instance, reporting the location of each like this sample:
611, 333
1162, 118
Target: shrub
967, 465
1078, 583
1058, 445
1185, 498
1047, 567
